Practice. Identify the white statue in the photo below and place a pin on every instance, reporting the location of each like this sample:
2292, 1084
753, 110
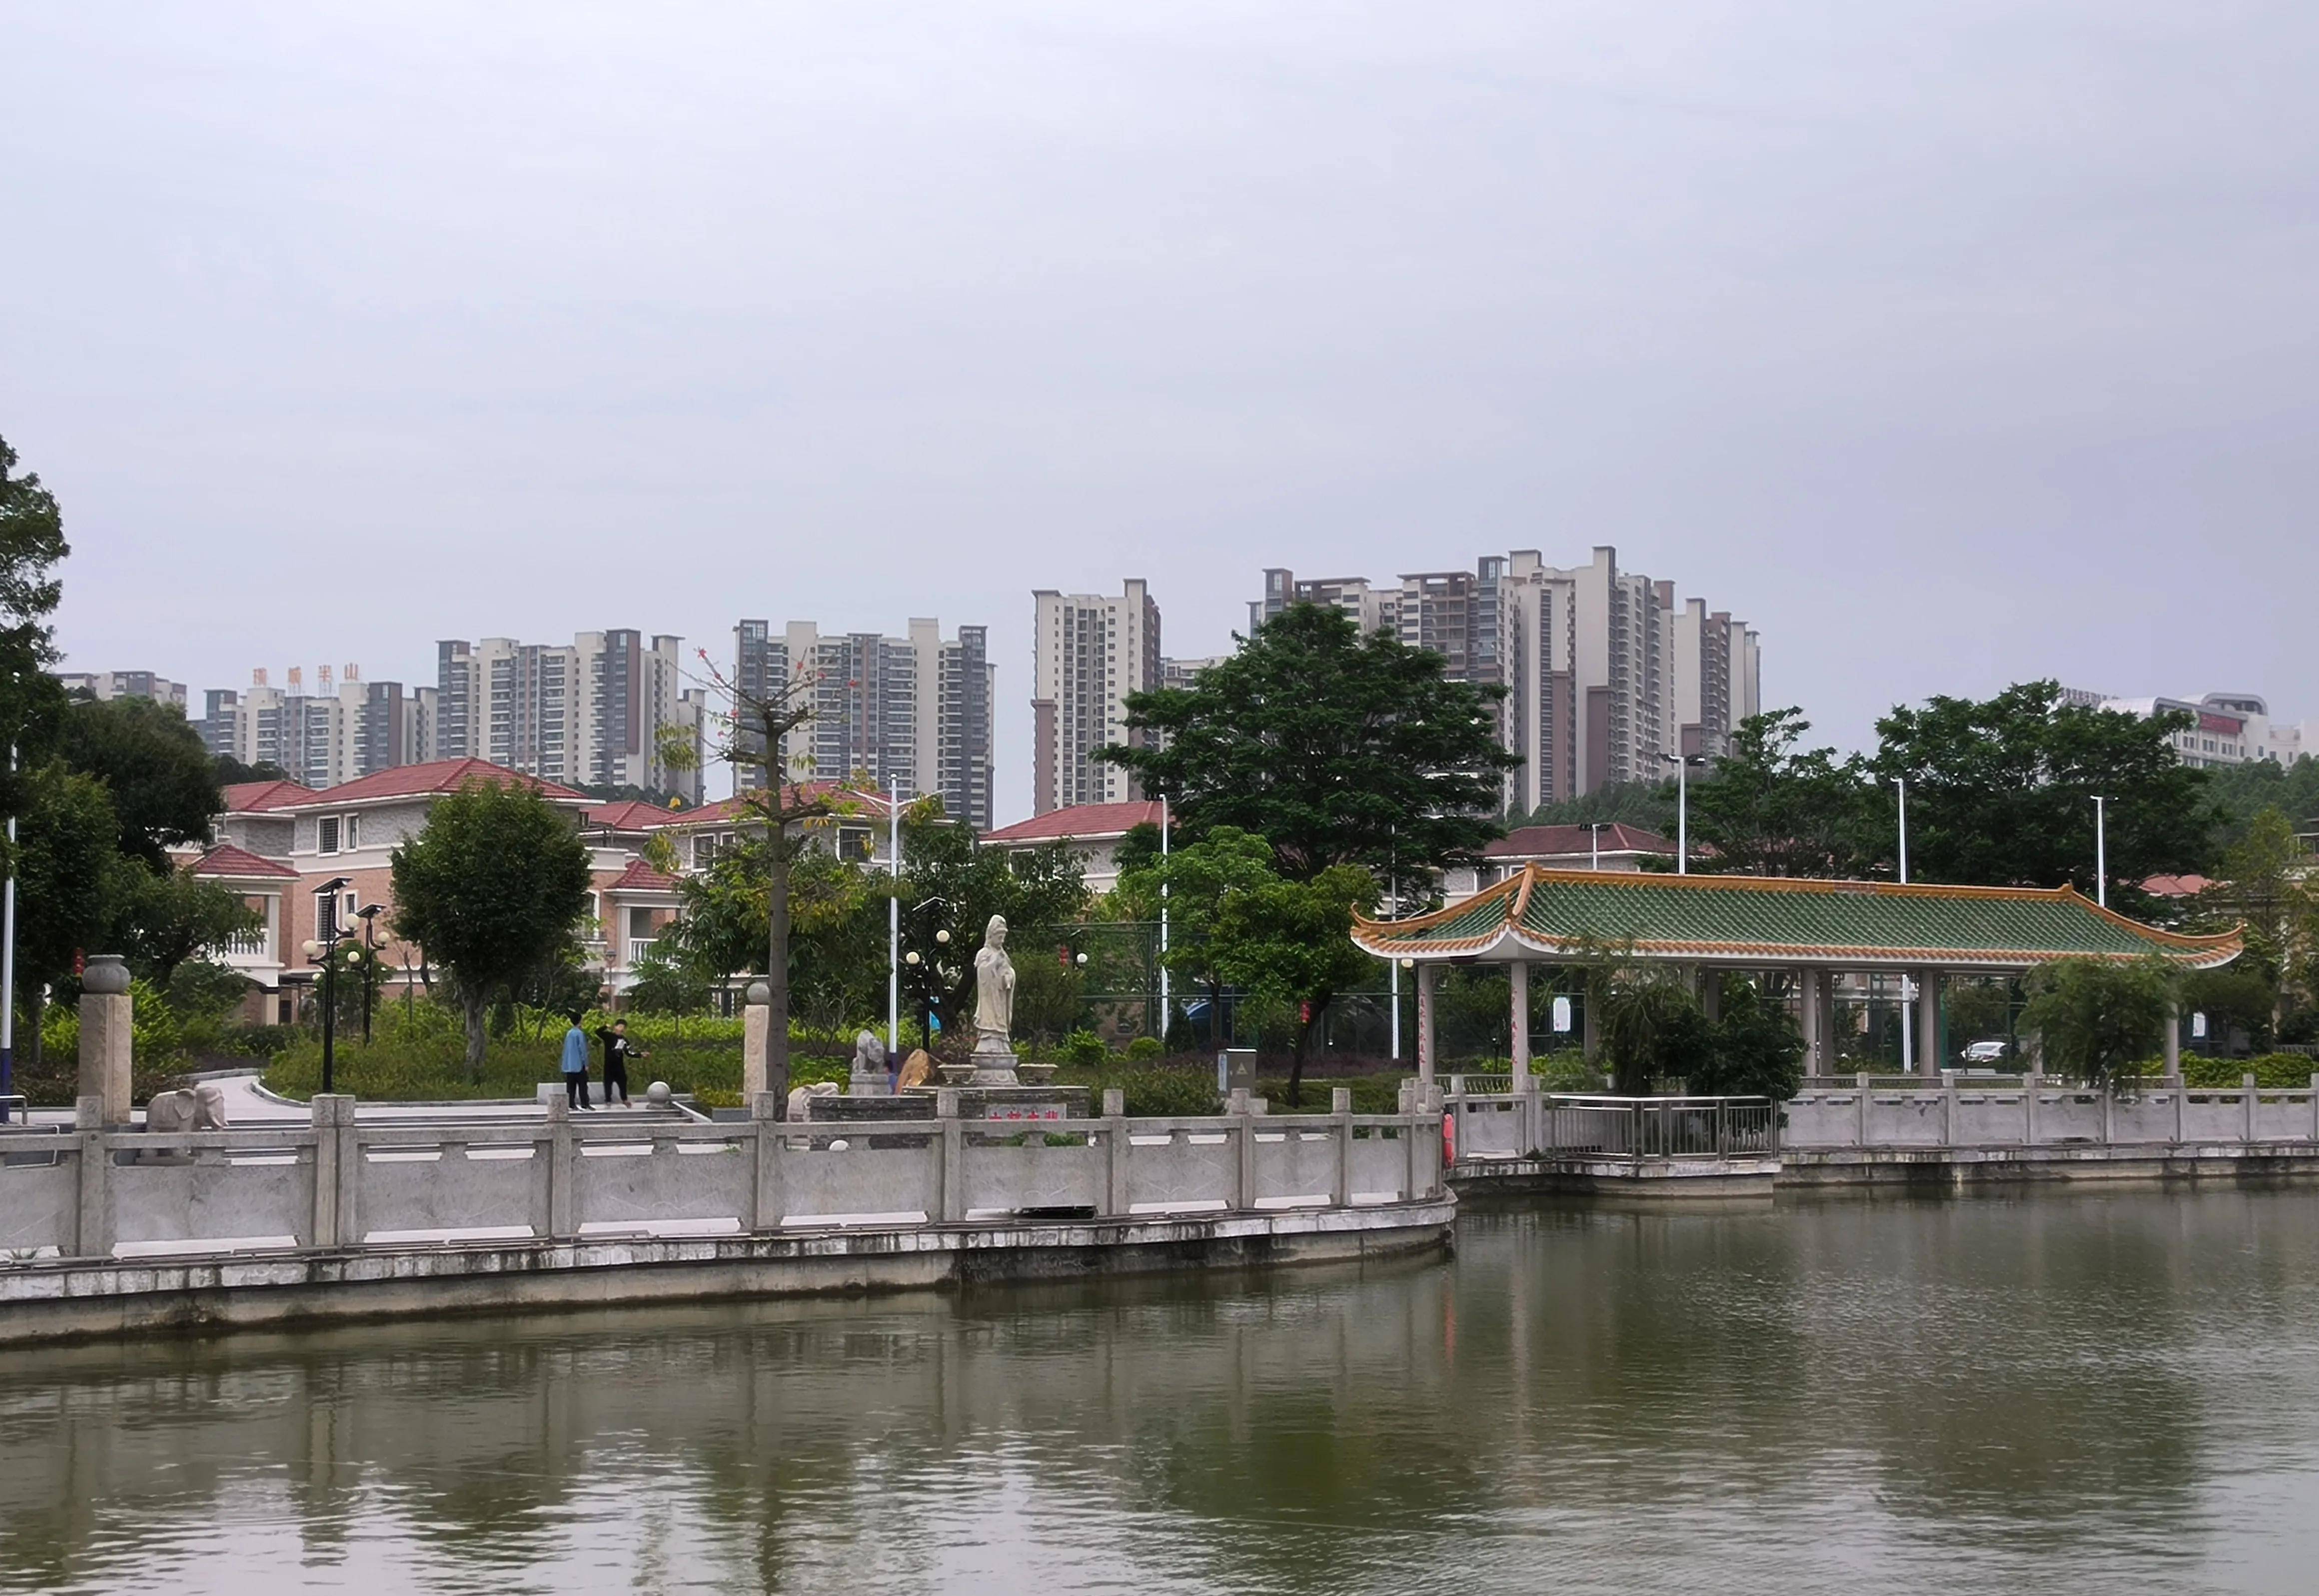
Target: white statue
994, 985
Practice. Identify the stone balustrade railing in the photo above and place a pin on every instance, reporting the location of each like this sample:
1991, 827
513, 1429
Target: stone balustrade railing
341, 1183
2030, 1111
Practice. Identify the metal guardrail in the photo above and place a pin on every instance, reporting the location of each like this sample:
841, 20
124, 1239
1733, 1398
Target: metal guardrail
1491, 1126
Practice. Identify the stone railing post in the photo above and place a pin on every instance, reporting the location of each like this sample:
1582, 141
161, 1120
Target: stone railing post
1243, 1192
1116, 1151
2180, 1092
756, 1039
766, 1203
2315, 1108
337, 1163
2032, 1084
2251, 1103
1861, 1104
563, 1171
1341, 1110
953, 1174
104, 1035
1948, 1107
2109, 1114
93, 1229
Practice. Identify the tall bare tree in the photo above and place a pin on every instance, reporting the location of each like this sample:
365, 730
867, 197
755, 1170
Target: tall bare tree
751, 731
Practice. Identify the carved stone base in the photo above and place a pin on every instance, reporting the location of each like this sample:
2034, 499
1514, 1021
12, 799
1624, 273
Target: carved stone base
994, 1063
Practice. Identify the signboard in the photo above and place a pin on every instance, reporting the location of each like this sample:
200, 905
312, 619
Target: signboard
2198, 1026
2208, 721
1562, 1015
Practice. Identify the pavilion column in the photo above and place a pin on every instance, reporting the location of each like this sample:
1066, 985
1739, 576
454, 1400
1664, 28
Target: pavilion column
2172, 1042
1708, 982
1928, 1022
1426, 974
1518, 986
1812, 1021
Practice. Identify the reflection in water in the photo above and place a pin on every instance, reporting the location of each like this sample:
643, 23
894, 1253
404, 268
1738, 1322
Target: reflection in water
2070, 1392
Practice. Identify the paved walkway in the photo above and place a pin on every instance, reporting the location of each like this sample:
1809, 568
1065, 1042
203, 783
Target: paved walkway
247, 1103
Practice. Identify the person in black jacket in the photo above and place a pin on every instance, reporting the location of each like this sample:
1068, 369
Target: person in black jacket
617, 1054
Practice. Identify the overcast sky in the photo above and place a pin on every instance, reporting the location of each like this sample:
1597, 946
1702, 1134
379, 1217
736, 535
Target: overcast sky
1950, 344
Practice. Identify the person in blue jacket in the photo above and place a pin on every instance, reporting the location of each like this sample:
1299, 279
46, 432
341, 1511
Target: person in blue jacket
575, 1066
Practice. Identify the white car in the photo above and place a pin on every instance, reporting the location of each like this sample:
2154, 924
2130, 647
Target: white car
1983, 1053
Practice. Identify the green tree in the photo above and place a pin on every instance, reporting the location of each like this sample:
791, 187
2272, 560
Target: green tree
31, 543
950, 884
753, 730
493, 887
1650, 804
163, 780
2242, 791
2001, 792
1770, 810
1755, 1051
231, 773
69, 880
667, 984
1334, 747
2097, 1020
1650, 1026
1199, 878
2266, 887
2238, 997
1290, 942
164, 917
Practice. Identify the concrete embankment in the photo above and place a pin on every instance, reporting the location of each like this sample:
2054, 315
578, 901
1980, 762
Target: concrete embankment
83, 1299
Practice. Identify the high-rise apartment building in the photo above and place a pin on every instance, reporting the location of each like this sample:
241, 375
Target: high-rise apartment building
124, 684
1605, 673
589, 713
338, 731
913, 711
1087, 652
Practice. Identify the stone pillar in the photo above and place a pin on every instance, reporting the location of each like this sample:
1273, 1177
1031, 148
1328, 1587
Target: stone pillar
1708, 982
1518, 985
2172, 1042
1426, 974
756, 1039
1590, 1027
104, 1034
1928, 1024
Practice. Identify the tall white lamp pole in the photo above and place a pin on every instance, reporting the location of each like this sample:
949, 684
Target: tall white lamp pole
1167, 1009
1901, 784
2101, 852
894, 919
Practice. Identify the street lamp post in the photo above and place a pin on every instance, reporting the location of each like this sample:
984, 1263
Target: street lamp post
1682, 763
368, 916
8, 966
1167, 1008
322, 950
2101, 852
894, 921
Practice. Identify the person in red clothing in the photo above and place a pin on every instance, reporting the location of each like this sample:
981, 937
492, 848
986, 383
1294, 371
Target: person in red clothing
617, 1054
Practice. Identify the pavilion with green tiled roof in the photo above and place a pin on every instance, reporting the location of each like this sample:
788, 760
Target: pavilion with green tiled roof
1816, 928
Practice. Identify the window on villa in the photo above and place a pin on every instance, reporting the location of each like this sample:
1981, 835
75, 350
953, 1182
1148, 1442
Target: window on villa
354, 831
328, 838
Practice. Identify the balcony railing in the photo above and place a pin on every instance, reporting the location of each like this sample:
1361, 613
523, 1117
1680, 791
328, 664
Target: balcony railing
638, 946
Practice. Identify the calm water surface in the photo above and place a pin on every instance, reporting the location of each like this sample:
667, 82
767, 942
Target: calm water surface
2113, 1394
